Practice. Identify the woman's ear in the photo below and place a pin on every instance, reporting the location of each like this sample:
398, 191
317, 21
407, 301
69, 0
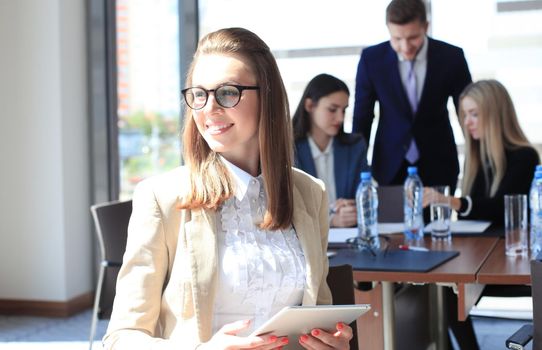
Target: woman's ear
309, 104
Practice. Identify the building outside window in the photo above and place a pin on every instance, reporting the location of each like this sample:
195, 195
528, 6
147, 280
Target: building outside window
147, 89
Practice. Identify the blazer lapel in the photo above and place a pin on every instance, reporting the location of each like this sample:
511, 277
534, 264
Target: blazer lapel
429, 73
341, 166
304, 228
202, 242
396, 84
304, 157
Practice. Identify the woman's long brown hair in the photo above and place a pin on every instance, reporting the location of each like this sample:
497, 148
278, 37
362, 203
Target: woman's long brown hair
210, 183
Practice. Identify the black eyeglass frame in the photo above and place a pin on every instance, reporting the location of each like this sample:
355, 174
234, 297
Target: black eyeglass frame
367, 243
240, 89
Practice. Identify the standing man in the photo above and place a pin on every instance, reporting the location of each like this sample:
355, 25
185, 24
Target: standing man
412, 77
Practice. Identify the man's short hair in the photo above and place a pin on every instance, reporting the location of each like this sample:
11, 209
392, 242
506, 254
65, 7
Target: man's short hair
405, 11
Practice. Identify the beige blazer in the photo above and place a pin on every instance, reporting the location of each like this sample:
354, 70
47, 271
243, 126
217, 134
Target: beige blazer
167, 283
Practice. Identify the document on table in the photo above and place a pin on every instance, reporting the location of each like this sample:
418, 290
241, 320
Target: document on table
465, 226
340, 235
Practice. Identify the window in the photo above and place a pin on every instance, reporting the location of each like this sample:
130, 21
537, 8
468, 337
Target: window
306, 37
148, 98
505, 46
313, 37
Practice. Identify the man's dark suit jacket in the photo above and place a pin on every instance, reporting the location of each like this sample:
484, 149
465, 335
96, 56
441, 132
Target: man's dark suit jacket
378, 79
349, 160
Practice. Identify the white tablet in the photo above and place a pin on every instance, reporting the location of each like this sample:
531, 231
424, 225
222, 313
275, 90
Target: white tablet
293, 321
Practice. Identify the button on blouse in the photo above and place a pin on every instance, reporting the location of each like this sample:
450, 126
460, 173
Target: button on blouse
260, 271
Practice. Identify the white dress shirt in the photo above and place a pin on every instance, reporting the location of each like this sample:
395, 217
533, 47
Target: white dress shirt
259, 271
325, 171
420, 68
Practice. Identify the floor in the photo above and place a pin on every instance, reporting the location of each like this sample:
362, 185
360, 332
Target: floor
33, 333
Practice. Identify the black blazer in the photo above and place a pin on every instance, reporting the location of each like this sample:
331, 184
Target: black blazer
378, 79
520, 166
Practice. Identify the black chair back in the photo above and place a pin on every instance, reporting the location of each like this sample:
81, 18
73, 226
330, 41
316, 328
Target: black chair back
390, 203
111, 221
340, 280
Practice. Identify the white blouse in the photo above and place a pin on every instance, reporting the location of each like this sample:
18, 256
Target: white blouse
260, 271
325, 169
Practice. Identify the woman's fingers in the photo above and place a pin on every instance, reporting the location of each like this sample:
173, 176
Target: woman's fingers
348, 202
427, 196
322, 340
234, 327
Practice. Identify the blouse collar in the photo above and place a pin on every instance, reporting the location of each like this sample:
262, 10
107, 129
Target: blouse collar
241, 178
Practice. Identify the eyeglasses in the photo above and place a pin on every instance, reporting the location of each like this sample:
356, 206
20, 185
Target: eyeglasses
227, 96
373, 244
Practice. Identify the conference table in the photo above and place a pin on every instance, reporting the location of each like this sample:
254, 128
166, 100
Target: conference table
481, 261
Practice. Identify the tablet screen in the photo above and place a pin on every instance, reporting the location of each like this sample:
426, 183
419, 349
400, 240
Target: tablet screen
296, 320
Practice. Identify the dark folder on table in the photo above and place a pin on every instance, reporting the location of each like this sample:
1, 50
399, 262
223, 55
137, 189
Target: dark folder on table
393, 260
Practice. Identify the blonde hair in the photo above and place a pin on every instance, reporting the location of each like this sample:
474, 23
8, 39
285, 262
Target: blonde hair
210, 183
501, 131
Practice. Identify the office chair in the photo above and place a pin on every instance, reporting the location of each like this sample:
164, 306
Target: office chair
531, 331
111, 222
341, 282
390, 203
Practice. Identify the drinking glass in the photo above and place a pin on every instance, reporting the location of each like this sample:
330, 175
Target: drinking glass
441, 212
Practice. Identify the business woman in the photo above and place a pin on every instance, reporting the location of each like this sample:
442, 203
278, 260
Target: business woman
218, 246
324, 150
499, 159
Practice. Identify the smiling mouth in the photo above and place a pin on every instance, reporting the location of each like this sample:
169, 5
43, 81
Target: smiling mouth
218, 129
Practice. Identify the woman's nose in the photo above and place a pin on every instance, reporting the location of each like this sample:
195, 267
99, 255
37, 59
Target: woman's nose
211, 104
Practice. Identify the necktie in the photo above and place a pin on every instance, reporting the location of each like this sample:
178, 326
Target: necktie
412, 154
411, 87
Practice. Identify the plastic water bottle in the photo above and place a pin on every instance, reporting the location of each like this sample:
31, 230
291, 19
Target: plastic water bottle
413, 205
535, 197
367, 208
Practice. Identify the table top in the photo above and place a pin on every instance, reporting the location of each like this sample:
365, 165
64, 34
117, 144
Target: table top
473, 252
502, 269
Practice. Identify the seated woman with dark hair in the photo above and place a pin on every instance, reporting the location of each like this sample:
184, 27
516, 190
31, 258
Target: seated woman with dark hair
324, 150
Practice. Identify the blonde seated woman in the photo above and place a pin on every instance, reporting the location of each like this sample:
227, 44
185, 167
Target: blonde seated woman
499, 159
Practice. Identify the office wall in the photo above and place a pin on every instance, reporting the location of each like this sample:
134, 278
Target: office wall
45, 229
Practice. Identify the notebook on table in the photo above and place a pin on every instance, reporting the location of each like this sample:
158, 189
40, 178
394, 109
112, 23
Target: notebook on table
392, 260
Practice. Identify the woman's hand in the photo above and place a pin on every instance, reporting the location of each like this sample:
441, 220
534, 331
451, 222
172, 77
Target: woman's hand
427, 196
226, 339
320, 340
430, 195
344, 213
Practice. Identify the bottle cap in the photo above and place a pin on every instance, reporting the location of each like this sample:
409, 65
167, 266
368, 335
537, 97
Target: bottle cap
411, 170
538, 174
365, 175
538, 167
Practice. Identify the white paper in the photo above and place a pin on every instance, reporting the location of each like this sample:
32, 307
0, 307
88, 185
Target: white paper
465, 226
390, 227
340, 235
